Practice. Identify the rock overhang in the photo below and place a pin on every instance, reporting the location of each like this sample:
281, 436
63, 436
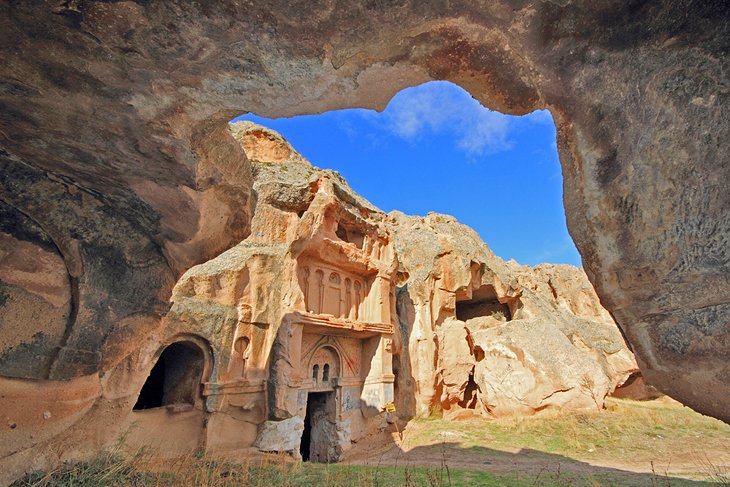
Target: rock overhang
115, 145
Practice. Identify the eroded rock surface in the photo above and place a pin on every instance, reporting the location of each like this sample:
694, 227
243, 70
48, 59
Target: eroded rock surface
118, 172
477, 333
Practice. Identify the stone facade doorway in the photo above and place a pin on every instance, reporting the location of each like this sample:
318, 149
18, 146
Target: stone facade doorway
319, 436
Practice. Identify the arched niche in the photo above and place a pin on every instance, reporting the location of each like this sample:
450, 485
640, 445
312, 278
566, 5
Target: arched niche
176, 377
325, 365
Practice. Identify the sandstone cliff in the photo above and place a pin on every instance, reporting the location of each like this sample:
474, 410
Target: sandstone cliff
118, 171
474, 333
477, 333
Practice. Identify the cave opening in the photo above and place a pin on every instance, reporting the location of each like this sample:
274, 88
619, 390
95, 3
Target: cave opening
350, 235
434, 148
483, 302
471, 393
174, 379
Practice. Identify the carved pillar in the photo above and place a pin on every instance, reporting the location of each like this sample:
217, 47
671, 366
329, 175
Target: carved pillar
378, 386
285, 374
320, 291
348, 299
305, 288
358, 300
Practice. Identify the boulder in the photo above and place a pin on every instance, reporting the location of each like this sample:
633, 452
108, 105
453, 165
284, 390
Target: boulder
280, 436
496, 337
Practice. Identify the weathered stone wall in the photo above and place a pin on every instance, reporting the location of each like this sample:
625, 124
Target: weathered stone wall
480, 336
117, 170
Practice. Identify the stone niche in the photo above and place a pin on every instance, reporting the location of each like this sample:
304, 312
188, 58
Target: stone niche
350, 235
482, 302
328, 291
169, 414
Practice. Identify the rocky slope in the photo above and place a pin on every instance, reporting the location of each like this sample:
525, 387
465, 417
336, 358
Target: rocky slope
494, 337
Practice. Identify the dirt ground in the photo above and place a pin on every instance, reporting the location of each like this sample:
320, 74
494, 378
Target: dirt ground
651, 443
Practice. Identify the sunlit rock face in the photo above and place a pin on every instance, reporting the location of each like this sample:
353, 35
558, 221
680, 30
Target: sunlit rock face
298, 315
296, 338
118, 172
480, 336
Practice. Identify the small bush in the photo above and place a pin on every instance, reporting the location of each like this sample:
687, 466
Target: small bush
498, 315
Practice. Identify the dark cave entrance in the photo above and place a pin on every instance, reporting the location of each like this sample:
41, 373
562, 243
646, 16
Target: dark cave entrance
174, 379
483, 302
318, 438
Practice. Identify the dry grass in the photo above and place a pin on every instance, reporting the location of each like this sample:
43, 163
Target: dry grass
656, 435
627, 434
146, 470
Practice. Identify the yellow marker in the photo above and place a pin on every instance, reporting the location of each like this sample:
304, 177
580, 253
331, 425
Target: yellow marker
390, 407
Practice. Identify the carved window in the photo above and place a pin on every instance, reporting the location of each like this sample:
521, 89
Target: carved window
326, 373
335, 278
315, 372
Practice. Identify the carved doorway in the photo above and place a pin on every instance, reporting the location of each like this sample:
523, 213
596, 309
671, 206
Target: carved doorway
319, 437
175, 379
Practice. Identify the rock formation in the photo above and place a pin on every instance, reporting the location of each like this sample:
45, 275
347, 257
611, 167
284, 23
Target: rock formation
496, 338
298, 312
295, 339
118, 172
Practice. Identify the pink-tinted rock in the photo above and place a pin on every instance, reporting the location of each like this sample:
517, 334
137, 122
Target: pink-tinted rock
116, 159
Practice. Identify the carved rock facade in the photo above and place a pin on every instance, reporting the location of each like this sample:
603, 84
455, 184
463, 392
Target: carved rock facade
295, 339
118, 172
297, 319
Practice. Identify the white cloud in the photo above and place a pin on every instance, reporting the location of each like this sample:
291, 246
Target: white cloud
486, 133
442, 107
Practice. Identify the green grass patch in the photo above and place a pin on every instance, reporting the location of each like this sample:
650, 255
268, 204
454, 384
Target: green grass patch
624, 428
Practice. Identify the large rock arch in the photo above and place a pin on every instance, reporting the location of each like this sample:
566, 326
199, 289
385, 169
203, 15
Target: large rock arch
116, 161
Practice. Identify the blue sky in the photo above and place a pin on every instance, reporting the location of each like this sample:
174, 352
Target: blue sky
435, 148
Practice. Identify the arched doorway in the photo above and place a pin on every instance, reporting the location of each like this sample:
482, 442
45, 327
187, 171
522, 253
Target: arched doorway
175, 379
169, 414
